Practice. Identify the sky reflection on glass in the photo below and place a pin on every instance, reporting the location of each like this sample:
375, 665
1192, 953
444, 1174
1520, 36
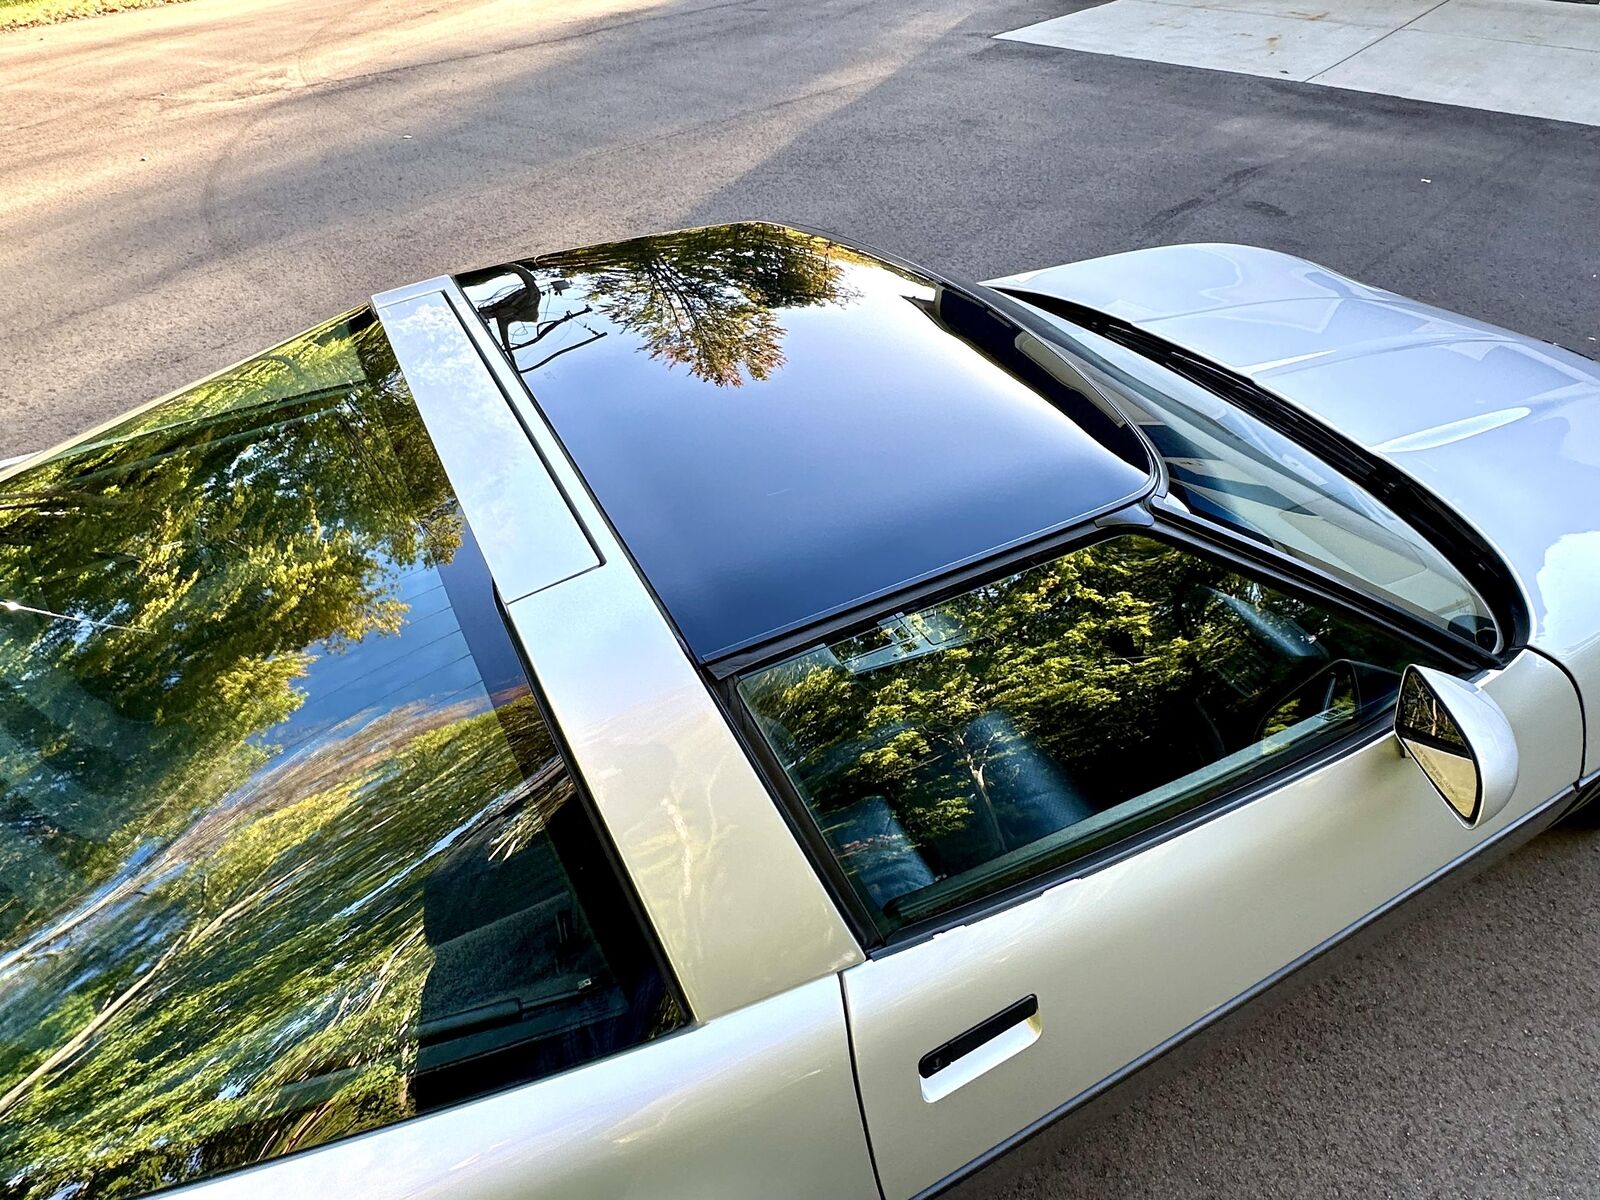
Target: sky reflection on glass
287, 842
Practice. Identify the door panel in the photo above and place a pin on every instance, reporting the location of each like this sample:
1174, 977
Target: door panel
1124, 959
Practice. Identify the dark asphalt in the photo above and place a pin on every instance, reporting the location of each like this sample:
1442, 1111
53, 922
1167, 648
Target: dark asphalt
180, 187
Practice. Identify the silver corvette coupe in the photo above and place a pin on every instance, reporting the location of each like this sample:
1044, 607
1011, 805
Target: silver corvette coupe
730, 715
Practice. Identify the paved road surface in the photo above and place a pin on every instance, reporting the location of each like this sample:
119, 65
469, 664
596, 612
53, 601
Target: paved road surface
179, 187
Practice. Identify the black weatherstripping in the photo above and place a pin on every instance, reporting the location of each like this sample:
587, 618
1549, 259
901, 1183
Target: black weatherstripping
781, 427
964, 1044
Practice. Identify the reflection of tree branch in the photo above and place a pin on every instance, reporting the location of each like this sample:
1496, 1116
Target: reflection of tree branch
306, 1125
709, 299
73, 1044
977, 767
678, 303
66, 499
378, 982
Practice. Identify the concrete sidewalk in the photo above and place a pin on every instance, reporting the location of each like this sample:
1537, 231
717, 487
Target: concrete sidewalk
1536, 57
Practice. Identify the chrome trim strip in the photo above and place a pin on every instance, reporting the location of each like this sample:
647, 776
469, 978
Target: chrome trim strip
529, 535
737, 906
439, 284
15, 466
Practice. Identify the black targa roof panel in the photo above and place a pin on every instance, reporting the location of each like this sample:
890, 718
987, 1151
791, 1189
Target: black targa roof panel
780, 426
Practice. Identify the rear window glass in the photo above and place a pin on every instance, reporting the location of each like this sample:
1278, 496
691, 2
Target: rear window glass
288, 849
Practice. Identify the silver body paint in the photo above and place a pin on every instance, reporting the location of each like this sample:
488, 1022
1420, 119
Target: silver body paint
765, 1092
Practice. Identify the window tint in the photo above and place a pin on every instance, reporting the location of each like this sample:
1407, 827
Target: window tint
951, 752
760, 411
1224, 464
288, 852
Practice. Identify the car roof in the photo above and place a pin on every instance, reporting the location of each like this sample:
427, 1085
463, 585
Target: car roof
781, 426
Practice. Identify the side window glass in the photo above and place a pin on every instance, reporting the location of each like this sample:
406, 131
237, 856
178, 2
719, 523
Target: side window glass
289, 851
948, 753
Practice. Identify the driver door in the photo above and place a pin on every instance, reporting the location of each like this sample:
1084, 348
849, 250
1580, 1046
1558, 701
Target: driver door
1092, 804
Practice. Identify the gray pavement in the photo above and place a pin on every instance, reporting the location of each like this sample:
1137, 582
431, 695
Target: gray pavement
181, 186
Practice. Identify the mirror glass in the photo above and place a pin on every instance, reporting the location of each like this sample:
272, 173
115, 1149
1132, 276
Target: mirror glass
1428, 731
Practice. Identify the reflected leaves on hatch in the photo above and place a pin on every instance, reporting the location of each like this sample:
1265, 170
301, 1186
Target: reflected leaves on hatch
708, 300
281, 816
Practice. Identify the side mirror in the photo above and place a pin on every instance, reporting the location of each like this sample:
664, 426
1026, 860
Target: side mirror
1460, 739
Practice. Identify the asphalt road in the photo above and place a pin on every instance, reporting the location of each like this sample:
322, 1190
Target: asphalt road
180, 187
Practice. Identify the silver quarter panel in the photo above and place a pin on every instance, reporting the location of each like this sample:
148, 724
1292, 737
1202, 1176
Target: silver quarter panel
1502, 427
759, 1103
1126, 958
737, 906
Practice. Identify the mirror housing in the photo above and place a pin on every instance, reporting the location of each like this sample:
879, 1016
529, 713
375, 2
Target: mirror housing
1461, 741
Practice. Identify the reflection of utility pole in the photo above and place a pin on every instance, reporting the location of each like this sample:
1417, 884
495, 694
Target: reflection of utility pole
521, 305
593, 337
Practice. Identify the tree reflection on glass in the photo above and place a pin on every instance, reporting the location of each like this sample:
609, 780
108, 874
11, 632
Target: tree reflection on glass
276, 814
214, 541
943, 742
705, 299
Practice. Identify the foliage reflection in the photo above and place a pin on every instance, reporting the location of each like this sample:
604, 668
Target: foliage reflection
953, 751
288, 850
704, 299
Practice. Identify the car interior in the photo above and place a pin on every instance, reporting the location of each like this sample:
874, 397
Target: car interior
1044, 716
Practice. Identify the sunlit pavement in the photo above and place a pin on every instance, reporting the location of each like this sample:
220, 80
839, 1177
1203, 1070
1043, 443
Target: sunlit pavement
181, 186
1539, 58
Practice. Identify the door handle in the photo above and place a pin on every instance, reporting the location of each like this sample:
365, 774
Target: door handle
980, 1049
